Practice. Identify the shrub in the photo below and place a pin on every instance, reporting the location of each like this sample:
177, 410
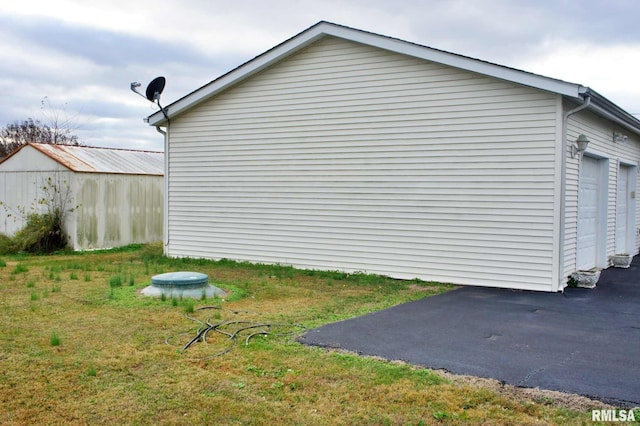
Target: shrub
44, 230
42, 234
7, 246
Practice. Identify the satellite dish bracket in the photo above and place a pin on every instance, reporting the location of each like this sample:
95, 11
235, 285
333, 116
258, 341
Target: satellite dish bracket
153, 92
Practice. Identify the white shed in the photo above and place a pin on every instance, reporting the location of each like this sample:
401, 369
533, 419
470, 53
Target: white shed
116, 194
341, 149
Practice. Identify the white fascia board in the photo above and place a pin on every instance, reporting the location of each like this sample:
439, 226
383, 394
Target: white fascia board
607, 109
322, 29
458, 61
606, 113
249, 68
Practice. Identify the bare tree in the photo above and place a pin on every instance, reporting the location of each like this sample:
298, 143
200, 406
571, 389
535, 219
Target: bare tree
62, 127
18, 133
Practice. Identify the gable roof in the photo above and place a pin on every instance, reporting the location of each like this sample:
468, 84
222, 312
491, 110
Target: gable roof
599, 103
88, 159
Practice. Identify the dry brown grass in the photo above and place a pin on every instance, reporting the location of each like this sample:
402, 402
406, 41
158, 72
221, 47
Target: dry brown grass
112, 365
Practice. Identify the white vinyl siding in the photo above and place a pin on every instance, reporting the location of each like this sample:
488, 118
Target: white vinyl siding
600, 134
347, 157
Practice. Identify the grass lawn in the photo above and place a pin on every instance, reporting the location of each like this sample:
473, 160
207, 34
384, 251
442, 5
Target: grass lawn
79, 345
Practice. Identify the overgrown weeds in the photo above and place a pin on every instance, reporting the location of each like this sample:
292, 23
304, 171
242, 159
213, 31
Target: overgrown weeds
115, 281
107, 360
43, 231
19, 269
54, 339
7, 245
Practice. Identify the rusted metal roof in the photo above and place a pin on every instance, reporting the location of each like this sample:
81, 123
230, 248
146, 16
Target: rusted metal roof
88, 159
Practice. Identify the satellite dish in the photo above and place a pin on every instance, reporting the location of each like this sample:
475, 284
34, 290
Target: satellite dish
155, 88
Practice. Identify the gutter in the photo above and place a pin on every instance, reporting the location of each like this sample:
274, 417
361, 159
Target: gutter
615, 118
607, 109
563, 181
165, 201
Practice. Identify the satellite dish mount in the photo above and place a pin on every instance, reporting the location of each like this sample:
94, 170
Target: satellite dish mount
153, 92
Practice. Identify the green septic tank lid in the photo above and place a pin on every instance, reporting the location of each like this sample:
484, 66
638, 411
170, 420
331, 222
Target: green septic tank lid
180, 279
182, 284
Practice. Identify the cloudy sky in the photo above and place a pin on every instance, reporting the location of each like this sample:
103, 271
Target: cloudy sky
80, 56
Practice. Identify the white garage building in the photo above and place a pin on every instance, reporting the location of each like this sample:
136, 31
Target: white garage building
341, 149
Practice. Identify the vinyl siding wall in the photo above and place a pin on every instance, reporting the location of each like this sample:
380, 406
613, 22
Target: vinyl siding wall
600, 134
346, 157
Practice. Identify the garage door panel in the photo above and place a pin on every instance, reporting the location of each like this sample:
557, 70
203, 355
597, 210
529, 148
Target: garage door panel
622, 210
588, 213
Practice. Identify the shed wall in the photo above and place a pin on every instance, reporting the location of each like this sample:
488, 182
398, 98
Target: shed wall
29, 159
346, 157
104, 210
115, 210
22, 179
21, 192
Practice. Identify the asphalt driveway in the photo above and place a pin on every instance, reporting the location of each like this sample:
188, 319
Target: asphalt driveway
583, 341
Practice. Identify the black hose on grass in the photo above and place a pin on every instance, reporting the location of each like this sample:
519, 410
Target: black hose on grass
237, 327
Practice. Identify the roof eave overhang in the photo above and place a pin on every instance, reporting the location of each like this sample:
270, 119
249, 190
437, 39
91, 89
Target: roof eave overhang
605, 108
12, 153
240, 73
323, 29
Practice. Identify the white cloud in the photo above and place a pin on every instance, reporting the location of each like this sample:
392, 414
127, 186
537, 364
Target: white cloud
86, 54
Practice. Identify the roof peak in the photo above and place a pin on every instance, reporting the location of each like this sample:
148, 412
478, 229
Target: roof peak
94, 147
102, 160
325, 28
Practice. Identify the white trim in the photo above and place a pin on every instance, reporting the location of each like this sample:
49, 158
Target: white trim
558, 200
457, 61
627, 162
633, 208
602, 260
165, 224
630, 214
599, 155
244, 71
323, 29
606, 114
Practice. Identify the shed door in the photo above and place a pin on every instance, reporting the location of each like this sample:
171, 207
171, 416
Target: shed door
588, 213
622, 209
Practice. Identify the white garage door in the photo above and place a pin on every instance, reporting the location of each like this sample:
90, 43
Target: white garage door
622, 209
588, 213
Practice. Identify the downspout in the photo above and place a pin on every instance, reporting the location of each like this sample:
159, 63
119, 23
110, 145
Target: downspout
563, 179
165, 207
